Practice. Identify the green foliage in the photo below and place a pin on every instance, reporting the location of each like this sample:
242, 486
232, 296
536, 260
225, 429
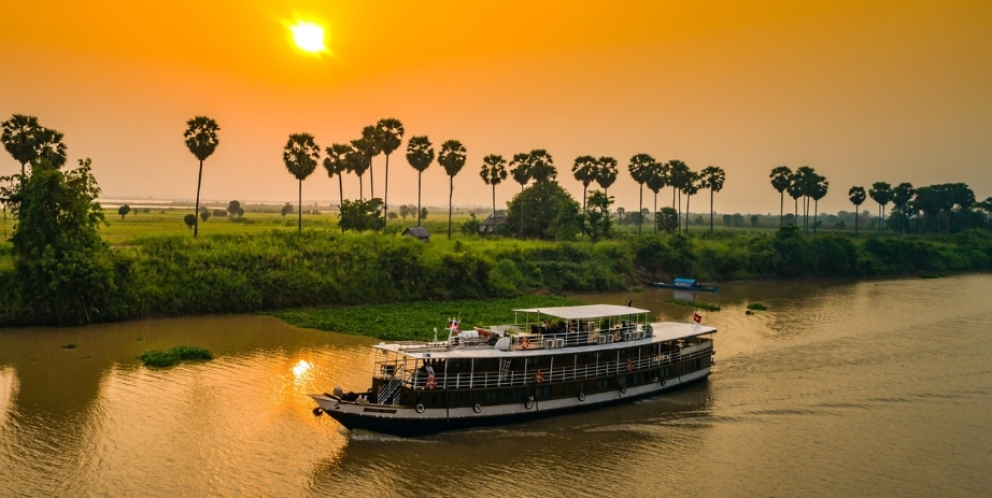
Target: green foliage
667, 220
190, 220
361, 215
155, 358
70, 345
757, 307
205, 215
692, 304
471, 225
551, 213
415, 321
596, 222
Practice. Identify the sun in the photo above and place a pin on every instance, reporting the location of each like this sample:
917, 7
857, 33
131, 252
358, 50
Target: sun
309, 37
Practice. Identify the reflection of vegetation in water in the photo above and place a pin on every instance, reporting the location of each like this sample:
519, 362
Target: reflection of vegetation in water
415, 321
155, 358
70, 345
756, 307
690, 304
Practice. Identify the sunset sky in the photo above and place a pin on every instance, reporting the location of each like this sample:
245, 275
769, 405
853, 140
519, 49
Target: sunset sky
863, 91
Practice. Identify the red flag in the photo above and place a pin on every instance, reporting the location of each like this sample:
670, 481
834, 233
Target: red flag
697, 317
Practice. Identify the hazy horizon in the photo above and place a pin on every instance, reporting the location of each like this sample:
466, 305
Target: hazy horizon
888, 91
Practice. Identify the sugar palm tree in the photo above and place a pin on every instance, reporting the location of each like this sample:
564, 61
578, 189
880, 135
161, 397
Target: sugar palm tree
452, 159
902, 195
881, 192
19, 138
371, 146
584, 170
542, 166
493, 173
301, 156
359, 161
420, 155
336, 164
781, 179
657, 180
713, 178
391, 131
819, 192
50, 147
690, 187
606, 173
806, 179
640, 170
678, 174
201, 140
520, 170
795, 190
857, 196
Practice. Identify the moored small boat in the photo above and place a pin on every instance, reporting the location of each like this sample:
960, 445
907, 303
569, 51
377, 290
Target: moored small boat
684, 284
553, 361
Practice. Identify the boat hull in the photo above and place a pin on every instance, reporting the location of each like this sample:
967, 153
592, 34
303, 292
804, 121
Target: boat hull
407, 422
695, 288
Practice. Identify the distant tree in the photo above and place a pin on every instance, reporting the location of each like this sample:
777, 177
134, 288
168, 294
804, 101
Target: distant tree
818, 192
857, 196
640, 168
361, 215
690, 187
201, 140
585, 170
301, 156
391, 134
667, 220
737, 220
50, 147
728, 220
493, 173
20, 137
678, 174
795, 191
286, 209
713, 178
423, 214
471, 225
596, 220
754, 220
123, 210
881, 192
606, 173
620, 215
404, 211
452, 159
658, 177
392, 215
554, 214
520, 171
204, 215
805, 180
336, 164
235, 208
542, 166
190, 220
781, 179
902, 196
370, 145
420, 155
222, 213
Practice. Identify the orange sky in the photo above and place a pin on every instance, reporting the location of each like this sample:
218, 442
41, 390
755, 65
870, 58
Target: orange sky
861, 91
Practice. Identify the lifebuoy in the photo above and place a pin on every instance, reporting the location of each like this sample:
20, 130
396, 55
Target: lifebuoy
662, 382
539, 377
630, 365
529, 403
623, 389
524, 343
617, 336
431, 382
419, 408
477, 408
582, 397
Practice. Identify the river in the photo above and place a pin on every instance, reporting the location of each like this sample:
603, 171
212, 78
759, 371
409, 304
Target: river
840, 388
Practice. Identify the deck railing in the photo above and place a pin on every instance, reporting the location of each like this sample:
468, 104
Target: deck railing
467, 380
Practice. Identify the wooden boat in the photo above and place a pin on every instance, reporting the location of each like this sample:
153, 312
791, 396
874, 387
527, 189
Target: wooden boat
684, 284
549, 361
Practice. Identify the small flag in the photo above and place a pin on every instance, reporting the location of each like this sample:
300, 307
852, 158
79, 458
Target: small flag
696, 317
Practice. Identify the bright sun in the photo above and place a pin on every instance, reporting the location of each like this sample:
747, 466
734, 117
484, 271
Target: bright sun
308, 36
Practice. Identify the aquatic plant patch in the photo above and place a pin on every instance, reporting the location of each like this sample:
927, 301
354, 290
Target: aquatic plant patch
155, 358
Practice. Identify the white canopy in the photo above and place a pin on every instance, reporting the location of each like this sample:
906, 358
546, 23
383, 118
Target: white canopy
586, 312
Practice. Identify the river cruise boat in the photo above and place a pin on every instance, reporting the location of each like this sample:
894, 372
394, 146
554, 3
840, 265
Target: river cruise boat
549, 361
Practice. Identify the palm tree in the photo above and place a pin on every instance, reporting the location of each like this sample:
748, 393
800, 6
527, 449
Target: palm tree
657, 180
19, 138
819, 192
542, 166
371, 146
640, 170
713, 178
452, 159
606, 173
201, 140
520, 170
391, 131
781, 179
493, 173
49, 146
881, 192
795, 191
690, 187
420, 155
584, 170
857, 196
336, 164
806, 179
359, 161
902, 195
678, 173
301, 156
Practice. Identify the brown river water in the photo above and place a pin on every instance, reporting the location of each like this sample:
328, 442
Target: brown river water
872, 388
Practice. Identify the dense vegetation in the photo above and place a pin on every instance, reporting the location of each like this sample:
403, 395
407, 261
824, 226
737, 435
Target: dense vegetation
155, 358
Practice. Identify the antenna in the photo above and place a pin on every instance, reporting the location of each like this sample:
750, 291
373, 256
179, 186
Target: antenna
630, 303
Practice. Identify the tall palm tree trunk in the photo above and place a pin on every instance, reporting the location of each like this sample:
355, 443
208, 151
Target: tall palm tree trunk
711, 210
584, 188
361, 189
687, 199
299, 214
451, 195
385, 196
816, 213
640, 210
781, 208
341, 201
199, 180
371, 181
521, 211
795, 219
494, 201
855, 220
680, 211
419, 175
654, 221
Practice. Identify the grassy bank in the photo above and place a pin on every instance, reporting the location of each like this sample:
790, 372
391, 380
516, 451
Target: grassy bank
280, 269
415, 321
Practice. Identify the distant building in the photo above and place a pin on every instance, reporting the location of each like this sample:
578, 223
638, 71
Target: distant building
490, 225
419, 233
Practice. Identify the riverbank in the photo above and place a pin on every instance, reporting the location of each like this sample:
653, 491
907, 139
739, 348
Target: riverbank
278, 270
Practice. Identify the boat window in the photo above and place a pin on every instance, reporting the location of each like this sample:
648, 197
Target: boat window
543, 391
